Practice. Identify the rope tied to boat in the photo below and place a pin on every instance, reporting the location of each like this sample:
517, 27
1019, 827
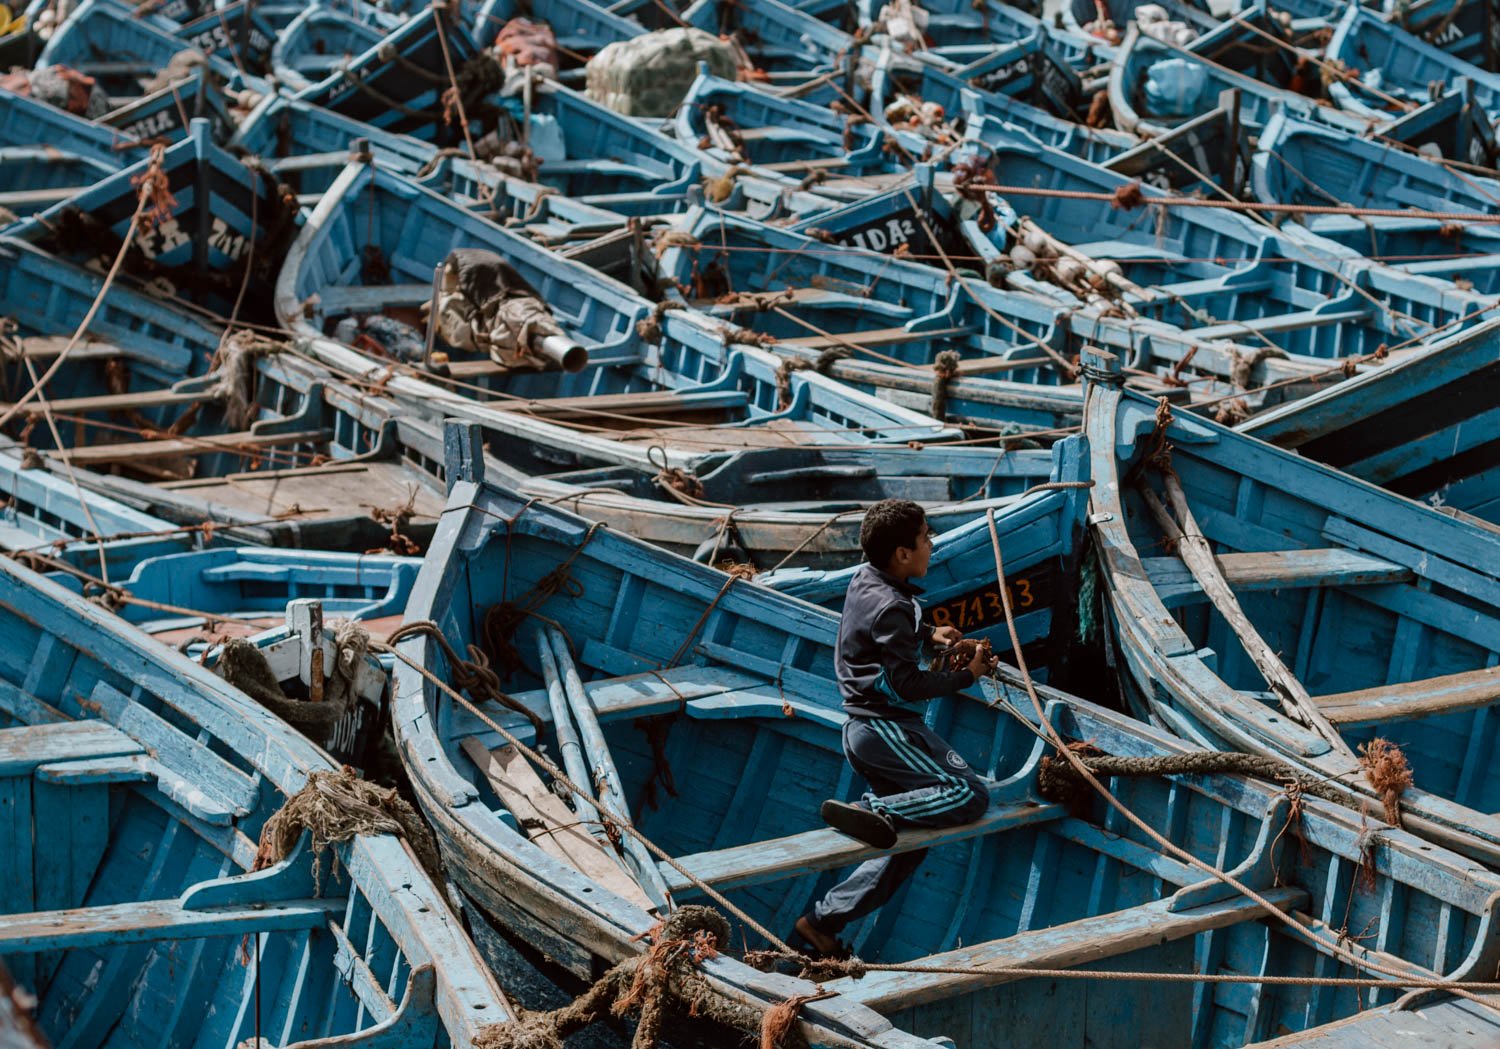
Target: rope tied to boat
676, 479
334, 807
505, 617
473, 675
1389, 773
1239, 371
944, 370
784, 379
649, 327
665, 978
1060, 781
233, 386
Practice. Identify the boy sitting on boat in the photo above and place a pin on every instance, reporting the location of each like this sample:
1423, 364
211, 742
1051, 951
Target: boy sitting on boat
917, 779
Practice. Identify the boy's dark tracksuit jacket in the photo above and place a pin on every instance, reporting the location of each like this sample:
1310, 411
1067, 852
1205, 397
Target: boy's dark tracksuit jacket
917, 779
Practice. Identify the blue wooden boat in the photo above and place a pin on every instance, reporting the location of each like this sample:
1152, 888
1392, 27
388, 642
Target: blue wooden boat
269, 448
235, 30
1333, 612
1391, 62
216, 233
244, 591
411, 230
27, 122
398, 84
121, 49
879, 322
167, 114
320, 39
1301, 162
1154, 86
581, 27
782, 138
1218, 274
138, 785
33, 178
1027, 885
1423, 426
785, 43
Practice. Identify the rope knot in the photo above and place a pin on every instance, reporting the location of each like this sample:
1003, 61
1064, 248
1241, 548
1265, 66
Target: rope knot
1128, 196
1388, 772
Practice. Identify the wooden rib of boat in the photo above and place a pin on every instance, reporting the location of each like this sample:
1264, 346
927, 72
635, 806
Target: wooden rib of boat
137, 784
1425, 427
215, 219
1330, 612
742, 679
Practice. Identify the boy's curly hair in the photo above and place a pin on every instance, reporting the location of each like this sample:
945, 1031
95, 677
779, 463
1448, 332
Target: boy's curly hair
889, 524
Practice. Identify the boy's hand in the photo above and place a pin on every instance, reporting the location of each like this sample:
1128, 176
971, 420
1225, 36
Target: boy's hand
947, 635
983, 660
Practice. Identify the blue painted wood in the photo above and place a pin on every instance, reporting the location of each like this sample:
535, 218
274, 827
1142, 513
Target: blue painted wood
120, 48
1302, 162
124, 910
1401, 64
1387, 426
1084, 890
25, 121
1218, 274
316, 42
202, 244
1379, 642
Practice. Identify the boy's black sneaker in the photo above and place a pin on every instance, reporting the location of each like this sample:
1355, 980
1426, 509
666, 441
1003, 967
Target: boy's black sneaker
870, 827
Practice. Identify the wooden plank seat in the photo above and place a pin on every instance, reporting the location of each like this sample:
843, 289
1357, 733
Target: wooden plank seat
371, 298
1410, 700
665, 403
25, 748
1066, 946
111, 402
45, 347
758, 862
1275, 570
152, 920
1282, 322
131, 451
876, 338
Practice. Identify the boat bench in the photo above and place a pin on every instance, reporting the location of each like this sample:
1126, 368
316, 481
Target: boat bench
1066, 946
1274, 570
1409, 700
758, 862
111, 402
244, 442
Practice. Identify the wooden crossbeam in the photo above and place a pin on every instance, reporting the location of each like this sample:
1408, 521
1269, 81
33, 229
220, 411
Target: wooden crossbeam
1410, 700
1066, 946
117, 923
757, 862
246, 441
1274, 570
